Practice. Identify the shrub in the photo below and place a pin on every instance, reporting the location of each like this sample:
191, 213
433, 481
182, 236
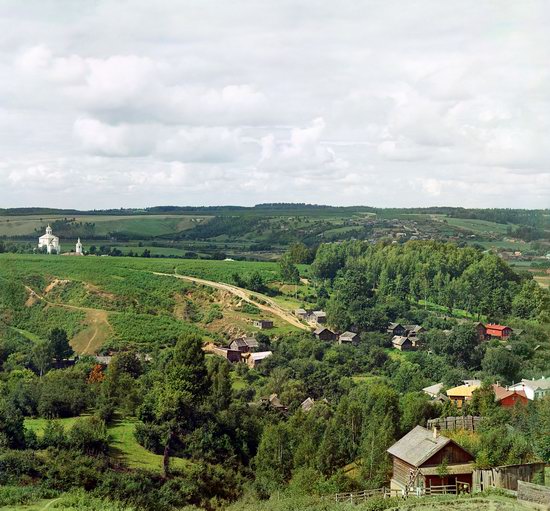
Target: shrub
89, 436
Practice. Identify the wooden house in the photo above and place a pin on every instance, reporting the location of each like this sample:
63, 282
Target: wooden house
481, 331
263, 324
508, 398
459, 395
396, 329
229, 354
244, 344
414, 330
417, 459
403, 343
324, 334
348, 338
300, 313
499, 331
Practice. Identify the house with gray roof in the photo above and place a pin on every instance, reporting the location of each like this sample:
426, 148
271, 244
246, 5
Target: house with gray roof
417, 458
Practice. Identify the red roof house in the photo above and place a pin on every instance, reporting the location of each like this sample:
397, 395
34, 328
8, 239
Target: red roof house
508, 398
500, 331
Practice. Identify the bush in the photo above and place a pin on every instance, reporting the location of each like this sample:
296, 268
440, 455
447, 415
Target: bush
22, 495
151, 436
16, 466
89, 436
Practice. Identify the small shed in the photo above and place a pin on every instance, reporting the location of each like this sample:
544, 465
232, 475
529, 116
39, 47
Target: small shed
418, 456
263, 324
300, 313
324, 334
231, 355
348, 338
414, 330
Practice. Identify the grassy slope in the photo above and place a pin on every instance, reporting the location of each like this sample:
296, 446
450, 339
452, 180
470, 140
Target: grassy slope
145, 225
123, 444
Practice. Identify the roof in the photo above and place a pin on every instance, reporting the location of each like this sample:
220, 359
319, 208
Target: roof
417, 446
348, 335
392, 326
543, 383
414, 328
319, 313
399, 340
462, 390
300, 311
502, 393
251, 342
307, 404
490, 326
433, 390
322, 329
260, 355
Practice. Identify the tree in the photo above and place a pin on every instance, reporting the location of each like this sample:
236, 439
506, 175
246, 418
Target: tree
502, 363
42, 356
12, 431
179, 392
299, 254
289, 273
60, 346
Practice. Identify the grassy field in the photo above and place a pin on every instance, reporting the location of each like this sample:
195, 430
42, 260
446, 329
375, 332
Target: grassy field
142, 225
124, 446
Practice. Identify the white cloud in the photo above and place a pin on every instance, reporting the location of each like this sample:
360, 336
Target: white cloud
243, 102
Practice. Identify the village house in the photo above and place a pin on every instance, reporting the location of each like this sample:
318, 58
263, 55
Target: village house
405, 343
300, 313
244, 344
307, 404
417, 458
499, 331
348, 338
274, 402
508, 398
414, 330
481, 331
533, 389
229, 354
253, 360
317, 318
433, 390
324, 334
396, 329
263, 324
459, 395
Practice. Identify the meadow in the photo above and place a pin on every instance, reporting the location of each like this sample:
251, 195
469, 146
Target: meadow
140, 225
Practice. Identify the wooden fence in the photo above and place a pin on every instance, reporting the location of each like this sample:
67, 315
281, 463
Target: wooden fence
467, 422
534, 493
361, 496
506, 477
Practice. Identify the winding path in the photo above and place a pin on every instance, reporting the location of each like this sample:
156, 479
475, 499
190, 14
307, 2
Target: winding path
261, 301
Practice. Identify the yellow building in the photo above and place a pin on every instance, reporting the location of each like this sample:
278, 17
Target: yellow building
462, 393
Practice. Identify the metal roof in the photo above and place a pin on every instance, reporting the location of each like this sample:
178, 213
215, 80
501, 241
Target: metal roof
417, 446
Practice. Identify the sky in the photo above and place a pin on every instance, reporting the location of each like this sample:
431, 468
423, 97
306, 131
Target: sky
199, 102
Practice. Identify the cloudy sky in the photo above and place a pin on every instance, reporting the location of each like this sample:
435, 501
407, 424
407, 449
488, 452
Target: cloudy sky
198, 102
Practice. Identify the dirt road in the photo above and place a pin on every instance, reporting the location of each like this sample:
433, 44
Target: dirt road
259, 300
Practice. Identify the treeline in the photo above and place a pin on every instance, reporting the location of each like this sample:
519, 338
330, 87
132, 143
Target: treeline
369, 283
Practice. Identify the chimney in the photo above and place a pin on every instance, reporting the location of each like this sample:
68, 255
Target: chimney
435, 432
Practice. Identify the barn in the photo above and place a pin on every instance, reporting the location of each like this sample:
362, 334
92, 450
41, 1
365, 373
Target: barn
422, 459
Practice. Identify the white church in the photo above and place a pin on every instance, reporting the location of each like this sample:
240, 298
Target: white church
52, 245
49, 242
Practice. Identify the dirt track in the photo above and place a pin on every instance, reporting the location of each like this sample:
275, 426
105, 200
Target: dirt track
265, 303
